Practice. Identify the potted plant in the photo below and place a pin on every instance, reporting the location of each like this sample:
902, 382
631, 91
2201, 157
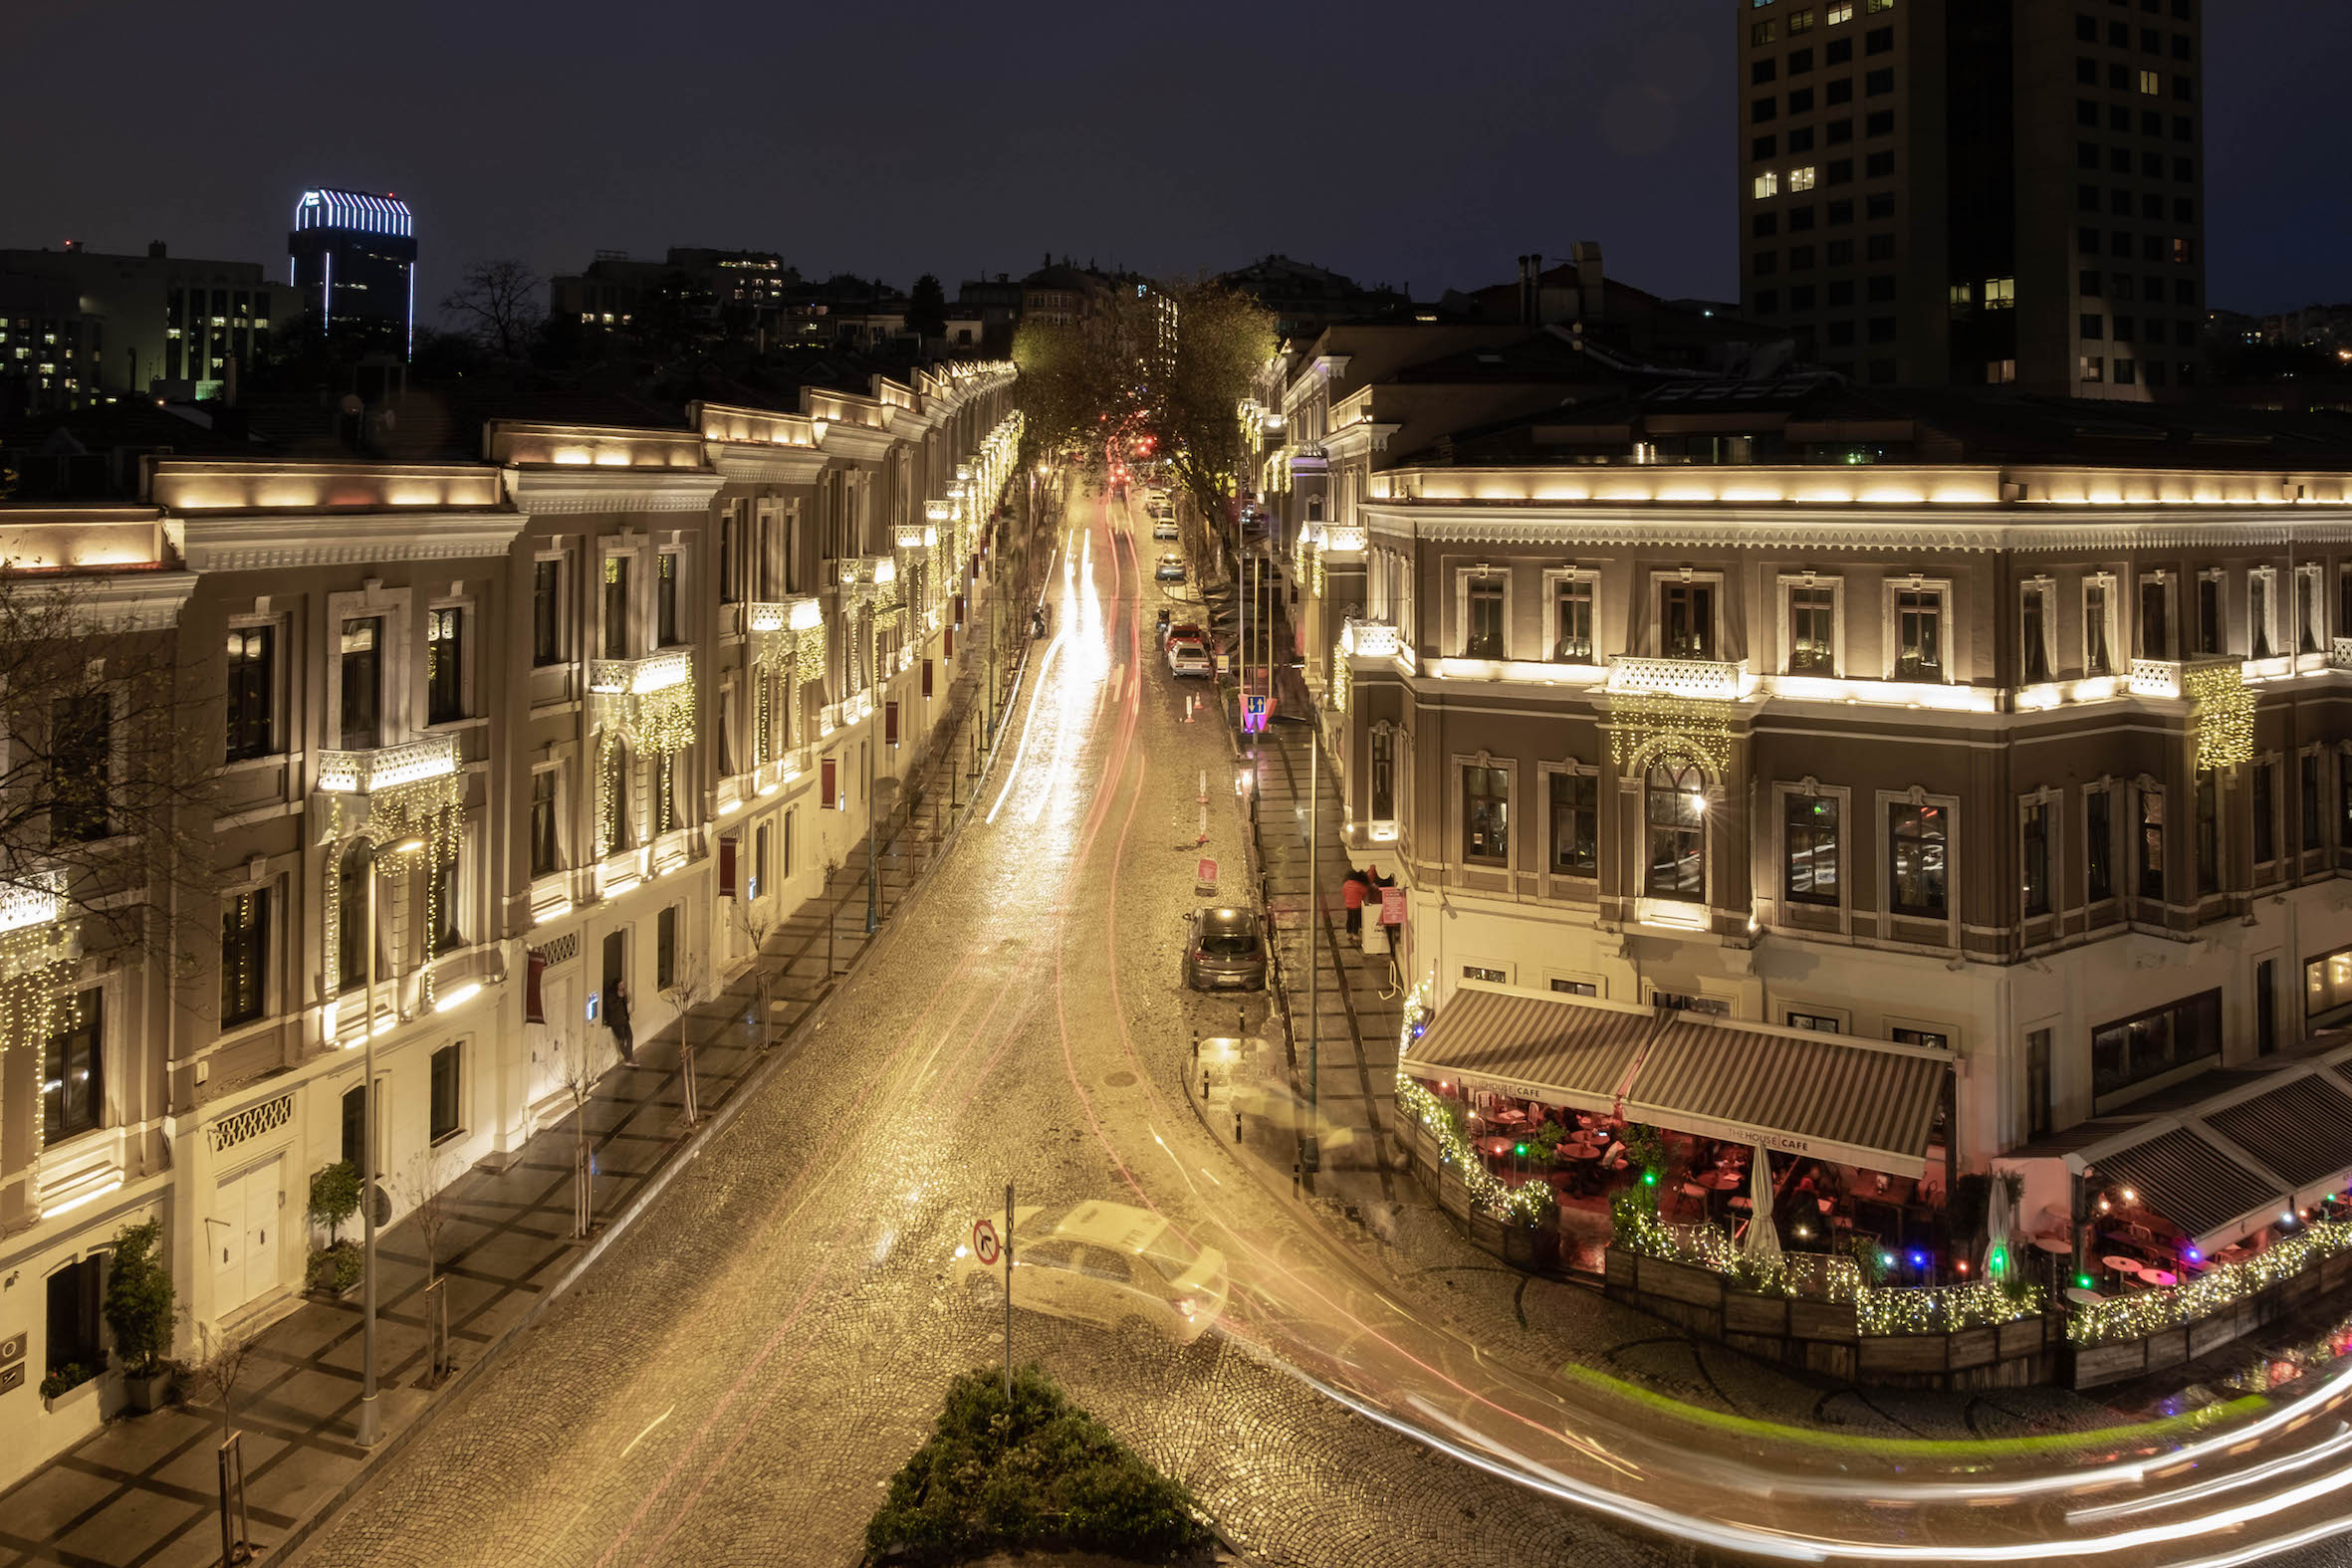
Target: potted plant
138, 1308
334, 1197
62, 1381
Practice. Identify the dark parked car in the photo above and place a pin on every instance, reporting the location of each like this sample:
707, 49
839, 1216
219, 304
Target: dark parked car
1226, 951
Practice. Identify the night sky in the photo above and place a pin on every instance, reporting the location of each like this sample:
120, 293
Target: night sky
1424, 146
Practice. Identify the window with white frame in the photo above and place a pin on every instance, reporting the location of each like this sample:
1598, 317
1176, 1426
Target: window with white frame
1486, 814
1675, 815
2098, 843
547, 610
1576, 821
2037, 637
1812, 642
1482, 618
1686, 617
1572, 619
2156, 617
547, 834
2098, 625
1916, 630
617, 641
445, 663
1918, 846
2261, 631
362, 683
252, 691
2310, 611
2037, 861
1810, 824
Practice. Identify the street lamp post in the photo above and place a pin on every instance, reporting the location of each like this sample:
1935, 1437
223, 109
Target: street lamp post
370, 1419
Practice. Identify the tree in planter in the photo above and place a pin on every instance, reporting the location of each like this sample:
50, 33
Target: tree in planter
138, 1304
690, 988
757, 920
335, 1199
220, 1362
426, 1186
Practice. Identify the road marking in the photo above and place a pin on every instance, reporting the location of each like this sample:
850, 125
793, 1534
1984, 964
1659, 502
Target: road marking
649, 1426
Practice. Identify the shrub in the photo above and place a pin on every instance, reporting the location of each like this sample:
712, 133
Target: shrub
334, 1196
336, 1268
1035, 1471
138, 1303
70, 1376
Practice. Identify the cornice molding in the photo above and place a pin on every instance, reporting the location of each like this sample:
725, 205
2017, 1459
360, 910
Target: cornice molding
1860, 528
133, 602
542, 492
255, 543
857, 441
768, 464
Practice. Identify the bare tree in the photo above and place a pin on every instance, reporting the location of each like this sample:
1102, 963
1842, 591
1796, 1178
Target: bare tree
219, 1364
691, 986
424, 1187
758, 920
500, 303
579, 1061
106, 782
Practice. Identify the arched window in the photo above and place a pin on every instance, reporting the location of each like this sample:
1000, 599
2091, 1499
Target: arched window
1677, 820
351, 920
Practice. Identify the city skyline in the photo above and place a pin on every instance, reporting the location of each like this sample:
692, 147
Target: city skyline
1503, 150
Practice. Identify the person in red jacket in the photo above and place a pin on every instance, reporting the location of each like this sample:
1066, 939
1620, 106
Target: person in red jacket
1351, 895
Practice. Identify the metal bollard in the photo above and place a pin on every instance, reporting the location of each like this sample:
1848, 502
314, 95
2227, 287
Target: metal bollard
1204, 1086
1294, 1178
1237, 1124
1196, 1044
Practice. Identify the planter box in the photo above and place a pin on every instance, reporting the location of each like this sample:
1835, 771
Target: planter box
148, 1394
73, 1398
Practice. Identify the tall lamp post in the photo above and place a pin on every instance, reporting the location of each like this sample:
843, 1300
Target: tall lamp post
371, 1425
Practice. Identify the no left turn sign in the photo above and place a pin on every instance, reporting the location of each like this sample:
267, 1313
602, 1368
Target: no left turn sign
984, 1241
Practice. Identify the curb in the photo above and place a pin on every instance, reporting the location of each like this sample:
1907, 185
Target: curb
289, 1547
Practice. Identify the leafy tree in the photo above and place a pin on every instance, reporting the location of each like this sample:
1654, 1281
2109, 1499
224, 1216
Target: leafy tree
926, 307
334, 1196
500, 304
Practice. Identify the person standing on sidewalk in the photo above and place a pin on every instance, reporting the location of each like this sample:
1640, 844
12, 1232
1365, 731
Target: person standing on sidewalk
616, 1019
1351, 894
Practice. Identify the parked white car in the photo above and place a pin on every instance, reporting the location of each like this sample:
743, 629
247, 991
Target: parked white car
1164, 528
1106, 1263
1186, 657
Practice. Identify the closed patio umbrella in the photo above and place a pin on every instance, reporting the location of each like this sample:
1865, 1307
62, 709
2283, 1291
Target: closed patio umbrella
1761, 1244
2000, 1246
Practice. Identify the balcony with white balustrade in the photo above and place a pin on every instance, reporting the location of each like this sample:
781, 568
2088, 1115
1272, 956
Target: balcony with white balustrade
638, 677
1707, 678
388, 766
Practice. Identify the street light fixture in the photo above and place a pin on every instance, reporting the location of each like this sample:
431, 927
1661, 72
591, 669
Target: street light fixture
370, 1421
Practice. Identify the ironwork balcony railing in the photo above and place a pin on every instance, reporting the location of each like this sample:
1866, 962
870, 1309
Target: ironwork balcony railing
635, 677
365, 773
1678, 677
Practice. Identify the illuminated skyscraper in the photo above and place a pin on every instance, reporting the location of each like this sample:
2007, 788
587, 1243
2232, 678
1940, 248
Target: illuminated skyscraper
353, 257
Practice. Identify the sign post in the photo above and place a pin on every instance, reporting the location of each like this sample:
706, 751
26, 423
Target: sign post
1007, 1292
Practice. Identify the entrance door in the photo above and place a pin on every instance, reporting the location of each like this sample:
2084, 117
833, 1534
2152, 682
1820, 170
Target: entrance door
243, 1233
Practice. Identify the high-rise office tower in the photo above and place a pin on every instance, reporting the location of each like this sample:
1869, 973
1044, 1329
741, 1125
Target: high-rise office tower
354, 259
1940, 194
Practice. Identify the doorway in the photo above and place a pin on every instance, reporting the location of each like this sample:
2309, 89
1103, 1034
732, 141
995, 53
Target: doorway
244, 1237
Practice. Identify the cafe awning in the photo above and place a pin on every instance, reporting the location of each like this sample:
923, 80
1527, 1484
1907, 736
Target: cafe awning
2233, 1162
1832, 1097
1825, 1096
1554, 1049
2189, 1179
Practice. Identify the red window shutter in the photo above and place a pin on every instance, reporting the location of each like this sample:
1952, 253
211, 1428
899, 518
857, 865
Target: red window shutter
958, 617
948, 642
825, 785
926, 677
726, 869
890, 722
534, 995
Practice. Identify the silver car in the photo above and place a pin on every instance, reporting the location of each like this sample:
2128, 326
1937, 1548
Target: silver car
1226, 951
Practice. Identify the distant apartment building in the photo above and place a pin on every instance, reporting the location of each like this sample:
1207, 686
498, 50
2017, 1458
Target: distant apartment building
2010, 193
169, 325
354, 255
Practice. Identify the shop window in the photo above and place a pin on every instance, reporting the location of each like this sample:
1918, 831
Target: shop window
446, 1117
2152, 1044
1576, 987
2327, 986
1818, 1023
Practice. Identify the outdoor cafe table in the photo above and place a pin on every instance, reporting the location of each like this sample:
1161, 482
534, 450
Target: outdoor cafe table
2055, 1245
1721, 1181
2128, 1267
2159, 1277
1510, 1118
1495, 1148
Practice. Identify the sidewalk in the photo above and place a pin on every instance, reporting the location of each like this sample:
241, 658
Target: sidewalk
144, 1489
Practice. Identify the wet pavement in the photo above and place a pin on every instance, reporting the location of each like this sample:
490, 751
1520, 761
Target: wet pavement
745, 1368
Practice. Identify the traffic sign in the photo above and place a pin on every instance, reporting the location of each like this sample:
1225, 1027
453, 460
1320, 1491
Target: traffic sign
984, 1241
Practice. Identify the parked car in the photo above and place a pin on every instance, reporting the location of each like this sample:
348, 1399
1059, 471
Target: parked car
1108, 1263
1188, 630
1186, 657
1226, 951
1170, 568
1163, 527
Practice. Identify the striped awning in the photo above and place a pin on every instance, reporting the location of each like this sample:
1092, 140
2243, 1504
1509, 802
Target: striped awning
1857, 1102
1555, 1051
2191, 1181
2303, 1130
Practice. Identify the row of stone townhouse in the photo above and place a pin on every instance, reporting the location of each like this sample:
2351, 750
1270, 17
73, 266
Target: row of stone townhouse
597, 707
1975, 725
